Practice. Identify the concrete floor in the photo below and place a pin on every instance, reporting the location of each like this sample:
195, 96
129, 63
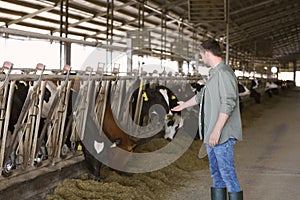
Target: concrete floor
267, 160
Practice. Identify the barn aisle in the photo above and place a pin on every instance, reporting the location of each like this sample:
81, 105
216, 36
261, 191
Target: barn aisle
267, 159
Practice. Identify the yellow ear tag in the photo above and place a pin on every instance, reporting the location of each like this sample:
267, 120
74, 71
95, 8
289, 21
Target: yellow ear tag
79, 147
145, 96
173, 97
17, 87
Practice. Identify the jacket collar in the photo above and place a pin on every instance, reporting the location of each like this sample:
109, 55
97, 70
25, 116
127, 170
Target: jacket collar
213, 70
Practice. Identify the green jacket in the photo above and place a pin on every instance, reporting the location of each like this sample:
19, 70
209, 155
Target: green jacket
221, 96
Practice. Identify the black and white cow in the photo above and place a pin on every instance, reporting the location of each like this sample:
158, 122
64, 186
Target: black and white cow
18, 100
154, 94
168, 98
173, 120
185, 91
271, 88
244, 94
243, 90
254, 93
19, 104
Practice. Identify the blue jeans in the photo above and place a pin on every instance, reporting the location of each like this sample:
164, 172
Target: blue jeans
221, 162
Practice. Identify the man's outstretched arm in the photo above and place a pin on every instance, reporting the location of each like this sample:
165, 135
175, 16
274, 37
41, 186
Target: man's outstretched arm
182, 105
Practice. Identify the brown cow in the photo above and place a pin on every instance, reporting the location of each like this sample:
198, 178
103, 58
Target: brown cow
113, 132
118, 138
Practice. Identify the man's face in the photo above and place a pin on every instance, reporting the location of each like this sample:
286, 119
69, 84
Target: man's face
203, 55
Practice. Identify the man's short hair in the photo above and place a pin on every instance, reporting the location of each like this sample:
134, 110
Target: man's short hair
211, 45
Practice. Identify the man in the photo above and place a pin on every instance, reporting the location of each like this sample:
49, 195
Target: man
219, 102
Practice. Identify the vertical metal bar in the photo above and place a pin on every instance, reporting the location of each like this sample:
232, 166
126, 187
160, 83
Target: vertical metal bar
111, 21
139, 103
143, 14
139, 16
227, 31
294, 70
104, 103
129, 54
111, 32
86, 102
59, 122
60, 34
67, 44
58, 136
20, 147
33, 122
48, 144
108, 7
3, 105
37, 125
67, 18
99, 98
163, 31
122, 85
64, 116
6, 122
6, 65
55, 131
28, 132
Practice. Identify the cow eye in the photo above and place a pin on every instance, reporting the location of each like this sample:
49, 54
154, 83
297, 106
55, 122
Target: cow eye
170, 123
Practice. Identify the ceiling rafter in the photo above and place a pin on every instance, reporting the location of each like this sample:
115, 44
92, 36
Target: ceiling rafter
250, 21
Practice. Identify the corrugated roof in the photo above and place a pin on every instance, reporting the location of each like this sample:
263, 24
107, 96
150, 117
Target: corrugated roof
266, 29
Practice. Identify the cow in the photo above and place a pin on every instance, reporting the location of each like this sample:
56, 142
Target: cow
116, 135
154, 94
244, 93
271, 88
243, 90
253, 90
184, 92
20, 101
281, 84
197, 86
19, 96
91, 142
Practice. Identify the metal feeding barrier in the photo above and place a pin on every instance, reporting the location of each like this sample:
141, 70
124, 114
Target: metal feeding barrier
53, 111
45, 132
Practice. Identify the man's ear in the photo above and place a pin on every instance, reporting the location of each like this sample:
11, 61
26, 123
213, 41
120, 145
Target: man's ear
208, 53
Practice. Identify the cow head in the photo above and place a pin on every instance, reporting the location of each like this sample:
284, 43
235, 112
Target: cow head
172, 123
196, 87
173, 120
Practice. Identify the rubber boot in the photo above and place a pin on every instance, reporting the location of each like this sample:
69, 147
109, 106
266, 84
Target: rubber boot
235, 195
218, 194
